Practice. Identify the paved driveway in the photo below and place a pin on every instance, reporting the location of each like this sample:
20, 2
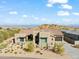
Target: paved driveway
74, 52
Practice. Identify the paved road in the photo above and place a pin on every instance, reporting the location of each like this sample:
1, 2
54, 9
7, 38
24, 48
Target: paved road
74, 52
1, 57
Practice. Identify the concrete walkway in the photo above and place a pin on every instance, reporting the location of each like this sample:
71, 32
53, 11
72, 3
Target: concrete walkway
73, 52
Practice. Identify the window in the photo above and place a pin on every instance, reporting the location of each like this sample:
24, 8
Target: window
58, 39
43, 39
21, 39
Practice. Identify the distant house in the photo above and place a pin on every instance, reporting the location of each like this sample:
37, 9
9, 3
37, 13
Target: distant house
71, 36
42, 38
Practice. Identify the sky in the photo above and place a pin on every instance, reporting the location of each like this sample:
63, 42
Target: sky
36, 12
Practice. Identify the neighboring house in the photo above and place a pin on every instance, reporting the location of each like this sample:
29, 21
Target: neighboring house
43, 38
71, 36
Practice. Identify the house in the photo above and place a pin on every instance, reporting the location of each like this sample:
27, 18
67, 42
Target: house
71, 36
47, 37
43, 38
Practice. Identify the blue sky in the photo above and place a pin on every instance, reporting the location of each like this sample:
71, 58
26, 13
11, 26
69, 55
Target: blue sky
35, 12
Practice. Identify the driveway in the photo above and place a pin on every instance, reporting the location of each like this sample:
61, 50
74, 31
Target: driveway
73, 52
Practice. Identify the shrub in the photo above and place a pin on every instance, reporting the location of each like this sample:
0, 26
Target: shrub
7, 33
37, 51
29, 47
58, 48
15, 52
2, 46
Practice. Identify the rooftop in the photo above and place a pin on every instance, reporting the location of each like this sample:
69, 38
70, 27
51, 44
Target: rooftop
71, 32
31, 31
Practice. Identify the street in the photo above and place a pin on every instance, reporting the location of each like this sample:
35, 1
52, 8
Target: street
3, 57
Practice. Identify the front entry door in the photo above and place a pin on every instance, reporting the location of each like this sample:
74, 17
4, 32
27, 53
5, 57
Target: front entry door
43, 42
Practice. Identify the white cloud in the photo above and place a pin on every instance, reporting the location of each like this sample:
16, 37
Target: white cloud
44, 19
76, 13
24, 16
63, 13
66, 6
13, 12
57, 1
67, 20
63, 3
49, 5
36, 18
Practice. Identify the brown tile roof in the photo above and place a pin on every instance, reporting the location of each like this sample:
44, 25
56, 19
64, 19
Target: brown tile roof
56, 32
52, 31
27, 31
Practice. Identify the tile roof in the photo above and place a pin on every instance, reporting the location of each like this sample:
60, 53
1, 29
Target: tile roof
30, 31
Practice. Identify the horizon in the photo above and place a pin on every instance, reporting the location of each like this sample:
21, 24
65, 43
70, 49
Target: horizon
38, 12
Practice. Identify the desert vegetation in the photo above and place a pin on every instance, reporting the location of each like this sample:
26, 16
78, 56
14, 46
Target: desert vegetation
29, 47
56, 27
2, 46
7, 33
58, 48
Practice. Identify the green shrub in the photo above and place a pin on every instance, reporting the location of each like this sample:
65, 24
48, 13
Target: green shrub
58, 48
30, 47
7, 33
2, 46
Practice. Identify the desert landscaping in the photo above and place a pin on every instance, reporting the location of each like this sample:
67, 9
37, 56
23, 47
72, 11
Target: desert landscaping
29, 49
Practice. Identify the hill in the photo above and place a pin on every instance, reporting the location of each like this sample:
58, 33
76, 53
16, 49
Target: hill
57, 27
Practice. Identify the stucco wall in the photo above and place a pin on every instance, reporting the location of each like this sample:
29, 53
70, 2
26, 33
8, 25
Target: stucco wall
76, 42
50, 39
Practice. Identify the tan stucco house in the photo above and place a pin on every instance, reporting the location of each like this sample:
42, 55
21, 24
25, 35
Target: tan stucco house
43, 38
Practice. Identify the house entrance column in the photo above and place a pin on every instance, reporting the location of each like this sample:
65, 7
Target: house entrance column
34, 40
53, 40
62, 38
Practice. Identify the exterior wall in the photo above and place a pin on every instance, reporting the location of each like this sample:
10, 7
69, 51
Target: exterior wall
50, 39
17, 39
76, 42
44, 35
51, 42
